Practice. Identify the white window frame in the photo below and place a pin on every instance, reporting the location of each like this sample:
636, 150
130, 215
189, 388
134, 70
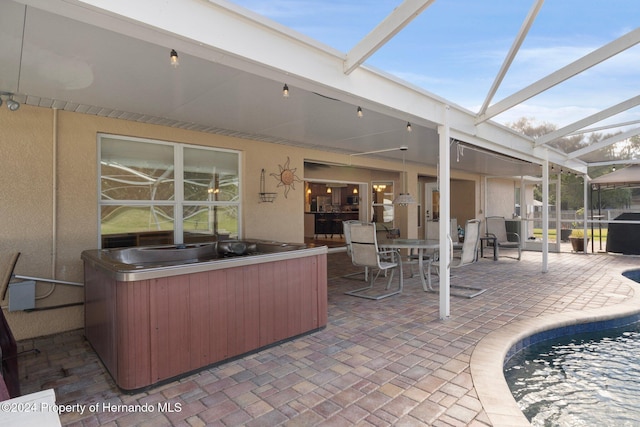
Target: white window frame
178, 203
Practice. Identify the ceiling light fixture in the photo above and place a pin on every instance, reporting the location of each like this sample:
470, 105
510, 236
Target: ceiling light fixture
12, 104
285, 91
360, 113
174, 58
404, 198
409, 127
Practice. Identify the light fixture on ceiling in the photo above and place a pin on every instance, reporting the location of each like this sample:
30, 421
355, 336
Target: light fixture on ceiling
409, 127
360, 113
174, 58
12, 104
285, 91
404, 198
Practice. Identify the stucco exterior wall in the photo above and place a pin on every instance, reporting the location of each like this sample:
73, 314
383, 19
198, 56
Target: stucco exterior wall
49, 209
501, 194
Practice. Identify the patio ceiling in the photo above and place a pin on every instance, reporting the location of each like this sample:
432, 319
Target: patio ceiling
112, 59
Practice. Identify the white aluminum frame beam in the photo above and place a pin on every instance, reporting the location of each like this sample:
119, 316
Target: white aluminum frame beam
594, 118
515, 47
597, 56
383, 32
604, 143
599, 128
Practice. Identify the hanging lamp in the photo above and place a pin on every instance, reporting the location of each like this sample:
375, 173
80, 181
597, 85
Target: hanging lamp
404, 198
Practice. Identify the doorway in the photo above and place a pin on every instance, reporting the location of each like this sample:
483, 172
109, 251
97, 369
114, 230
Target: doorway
327, 205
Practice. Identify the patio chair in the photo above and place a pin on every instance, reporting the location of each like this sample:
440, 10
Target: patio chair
366, 253
468, 255
346, 228
432, 232
497, 229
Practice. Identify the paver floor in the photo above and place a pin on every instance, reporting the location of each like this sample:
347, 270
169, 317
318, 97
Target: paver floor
377, 363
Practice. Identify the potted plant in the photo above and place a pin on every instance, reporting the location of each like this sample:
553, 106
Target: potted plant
577, 240
565, 232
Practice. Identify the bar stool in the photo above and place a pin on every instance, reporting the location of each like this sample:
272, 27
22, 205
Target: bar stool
336, 225
322, 226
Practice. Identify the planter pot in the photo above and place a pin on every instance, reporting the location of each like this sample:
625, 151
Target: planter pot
577, 243
564, 234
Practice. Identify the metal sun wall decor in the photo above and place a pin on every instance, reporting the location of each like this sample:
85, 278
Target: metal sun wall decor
286, 177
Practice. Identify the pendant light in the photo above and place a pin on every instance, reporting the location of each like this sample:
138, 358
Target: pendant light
173, 58
404, 198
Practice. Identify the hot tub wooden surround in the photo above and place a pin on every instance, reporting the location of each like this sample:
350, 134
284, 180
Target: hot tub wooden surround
151, 330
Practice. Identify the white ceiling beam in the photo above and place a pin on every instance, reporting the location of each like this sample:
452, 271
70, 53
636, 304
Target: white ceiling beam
604, 143
594, 118
599, 128
383, 32
616, 162
515, 47
597, 56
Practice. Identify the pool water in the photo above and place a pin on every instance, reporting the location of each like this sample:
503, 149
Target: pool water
589, 379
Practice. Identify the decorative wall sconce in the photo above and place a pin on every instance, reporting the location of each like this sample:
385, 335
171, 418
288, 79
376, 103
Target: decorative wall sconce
264, 196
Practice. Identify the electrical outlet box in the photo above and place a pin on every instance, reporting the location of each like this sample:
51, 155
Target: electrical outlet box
22, 295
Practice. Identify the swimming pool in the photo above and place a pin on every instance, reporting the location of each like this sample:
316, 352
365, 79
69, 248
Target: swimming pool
577, 379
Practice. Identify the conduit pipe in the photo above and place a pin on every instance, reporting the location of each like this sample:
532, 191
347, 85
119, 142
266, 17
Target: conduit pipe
54, 195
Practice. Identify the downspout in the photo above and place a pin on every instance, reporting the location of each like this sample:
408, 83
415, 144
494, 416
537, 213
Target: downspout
54, 194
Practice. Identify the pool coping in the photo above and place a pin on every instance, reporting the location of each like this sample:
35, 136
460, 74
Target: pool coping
488, 357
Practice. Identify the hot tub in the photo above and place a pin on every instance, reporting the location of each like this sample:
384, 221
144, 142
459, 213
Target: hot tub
153, 314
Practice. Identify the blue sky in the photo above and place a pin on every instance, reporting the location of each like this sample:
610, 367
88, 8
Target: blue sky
456, 47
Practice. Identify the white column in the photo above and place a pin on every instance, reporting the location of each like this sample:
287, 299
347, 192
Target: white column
545, 215
586, 213
444, 163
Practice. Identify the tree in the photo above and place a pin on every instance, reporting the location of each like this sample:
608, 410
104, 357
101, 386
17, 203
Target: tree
572, 186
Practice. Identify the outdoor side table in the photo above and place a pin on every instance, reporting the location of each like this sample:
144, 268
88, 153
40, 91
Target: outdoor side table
495, 246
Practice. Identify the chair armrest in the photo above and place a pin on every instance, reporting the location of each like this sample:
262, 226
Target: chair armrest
388, 252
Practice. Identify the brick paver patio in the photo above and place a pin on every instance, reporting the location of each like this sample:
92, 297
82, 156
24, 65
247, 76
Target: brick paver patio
377, 363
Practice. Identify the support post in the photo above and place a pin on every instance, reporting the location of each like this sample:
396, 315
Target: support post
444, 163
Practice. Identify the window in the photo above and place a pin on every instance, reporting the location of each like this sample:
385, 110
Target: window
154, 192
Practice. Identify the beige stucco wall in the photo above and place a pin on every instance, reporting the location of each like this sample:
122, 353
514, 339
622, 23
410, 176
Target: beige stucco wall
52, 226
501, 194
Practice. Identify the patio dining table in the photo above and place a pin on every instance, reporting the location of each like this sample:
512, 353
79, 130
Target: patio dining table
421, 245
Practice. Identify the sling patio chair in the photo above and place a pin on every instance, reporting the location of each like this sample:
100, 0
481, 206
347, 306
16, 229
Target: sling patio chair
468, 255
497, 230
366, 253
